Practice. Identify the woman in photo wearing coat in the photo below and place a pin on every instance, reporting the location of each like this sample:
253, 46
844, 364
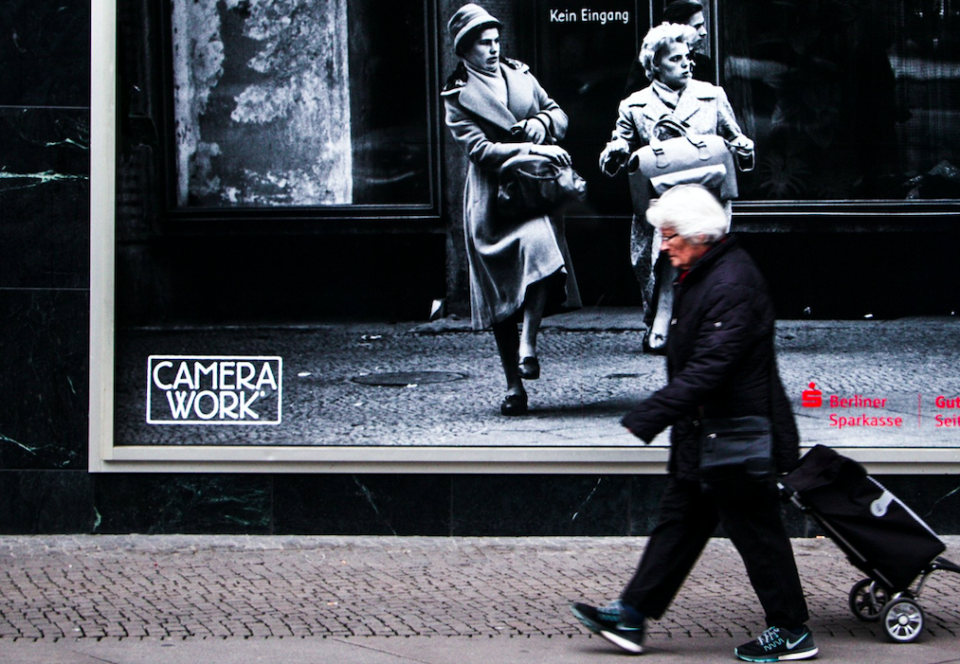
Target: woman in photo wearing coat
720, 364
495, 110
673, 94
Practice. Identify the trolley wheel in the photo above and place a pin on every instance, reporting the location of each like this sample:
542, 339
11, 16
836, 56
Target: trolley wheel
902, 620
867, 599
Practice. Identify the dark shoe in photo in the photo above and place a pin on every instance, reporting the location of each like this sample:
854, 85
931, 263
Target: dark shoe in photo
661, 349
529, 368
514, 404
654, 343
779, 645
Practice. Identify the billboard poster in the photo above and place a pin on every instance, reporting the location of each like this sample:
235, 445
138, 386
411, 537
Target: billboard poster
280, 278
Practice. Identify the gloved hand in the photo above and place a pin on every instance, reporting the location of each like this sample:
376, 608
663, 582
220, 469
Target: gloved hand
553, 152
614, 156
532, 129
634, 422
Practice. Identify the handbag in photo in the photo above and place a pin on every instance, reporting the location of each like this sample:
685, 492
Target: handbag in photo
736, 448
703, 159
533, 185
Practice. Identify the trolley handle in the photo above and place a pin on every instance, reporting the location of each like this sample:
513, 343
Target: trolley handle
789, 495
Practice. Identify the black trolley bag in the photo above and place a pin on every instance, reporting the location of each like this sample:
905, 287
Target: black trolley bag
880, 535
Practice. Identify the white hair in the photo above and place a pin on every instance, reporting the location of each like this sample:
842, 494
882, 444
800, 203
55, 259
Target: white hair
658, 38
692, 211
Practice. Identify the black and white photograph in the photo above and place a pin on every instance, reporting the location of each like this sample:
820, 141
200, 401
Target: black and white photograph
358, 230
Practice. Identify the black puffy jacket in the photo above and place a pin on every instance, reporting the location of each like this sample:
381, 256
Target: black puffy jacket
720, 360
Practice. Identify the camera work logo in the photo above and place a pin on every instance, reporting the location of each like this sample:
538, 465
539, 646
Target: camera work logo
200, 389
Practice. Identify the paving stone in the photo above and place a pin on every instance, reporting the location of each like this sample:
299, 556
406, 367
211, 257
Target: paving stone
199, 587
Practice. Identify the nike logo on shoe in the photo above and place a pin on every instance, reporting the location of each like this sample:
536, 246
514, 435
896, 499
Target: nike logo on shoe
793, 644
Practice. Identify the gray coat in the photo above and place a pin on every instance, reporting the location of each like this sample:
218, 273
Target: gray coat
705, 109
702, 106
504, 257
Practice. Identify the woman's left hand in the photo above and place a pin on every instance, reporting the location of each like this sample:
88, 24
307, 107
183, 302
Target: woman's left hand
532, 130
554, 152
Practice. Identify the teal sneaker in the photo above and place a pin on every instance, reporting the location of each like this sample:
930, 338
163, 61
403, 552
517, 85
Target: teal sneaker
778, 645
619, 624
596, 618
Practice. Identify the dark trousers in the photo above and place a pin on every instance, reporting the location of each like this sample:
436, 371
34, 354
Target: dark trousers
750, 515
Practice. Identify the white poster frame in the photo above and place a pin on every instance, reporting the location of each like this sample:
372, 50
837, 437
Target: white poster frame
106, 456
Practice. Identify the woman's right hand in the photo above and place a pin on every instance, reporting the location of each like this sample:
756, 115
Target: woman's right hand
614, 156
552, 152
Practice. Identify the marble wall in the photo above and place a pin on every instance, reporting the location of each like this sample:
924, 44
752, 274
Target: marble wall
44, 307
44, 266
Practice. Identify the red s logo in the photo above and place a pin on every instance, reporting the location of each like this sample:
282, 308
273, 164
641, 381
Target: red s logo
812, 398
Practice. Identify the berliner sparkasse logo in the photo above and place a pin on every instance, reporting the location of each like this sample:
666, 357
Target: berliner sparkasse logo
811, 398
214, 389
856, 410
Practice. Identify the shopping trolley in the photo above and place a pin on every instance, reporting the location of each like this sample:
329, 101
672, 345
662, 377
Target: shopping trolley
880, 535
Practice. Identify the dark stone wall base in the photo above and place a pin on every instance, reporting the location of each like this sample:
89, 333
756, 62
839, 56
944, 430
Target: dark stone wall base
58, 502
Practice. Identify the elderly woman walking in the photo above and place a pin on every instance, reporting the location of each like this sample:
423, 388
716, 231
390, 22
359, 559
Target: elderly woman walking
673, 94
720, 365
495, 110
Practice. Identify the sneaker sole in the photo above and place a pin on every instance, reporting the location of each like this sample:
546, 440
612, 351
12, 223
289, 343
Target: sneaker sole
786, 657
621, 642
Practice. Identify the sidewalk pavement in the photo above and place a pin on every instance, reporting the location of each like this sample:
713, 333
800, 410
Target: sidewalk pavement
390, 600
